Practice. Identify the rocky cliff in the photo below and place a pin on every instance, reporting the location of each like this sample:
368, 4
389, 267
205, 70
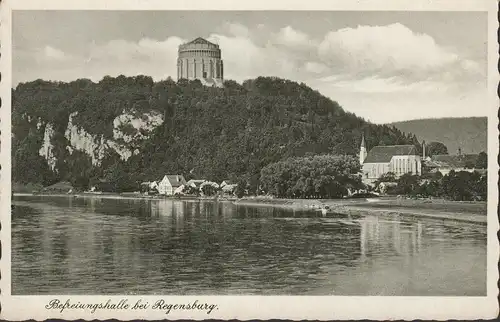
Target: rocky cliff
129, 129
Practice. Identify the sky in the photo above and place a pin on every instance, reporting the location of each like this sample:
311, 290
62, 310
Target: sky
383, 66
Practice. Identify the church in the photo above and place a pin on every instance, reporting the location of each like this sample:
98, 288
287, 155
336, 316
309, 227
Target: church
398, 159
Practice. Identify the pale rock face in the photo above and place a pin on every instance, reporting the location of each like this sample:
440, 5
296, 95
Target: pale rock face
83, 141
145, 122
122, 150
96, 146
47, 149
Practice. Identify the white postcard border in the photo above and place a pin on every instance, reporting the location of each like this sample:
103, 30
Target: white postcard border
254, 307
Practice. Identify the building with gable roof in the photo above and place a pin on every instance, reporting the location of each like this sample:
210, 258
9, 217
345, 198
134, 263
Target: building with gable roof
195, 183
445, 163
200, 59
169, 184
398, 159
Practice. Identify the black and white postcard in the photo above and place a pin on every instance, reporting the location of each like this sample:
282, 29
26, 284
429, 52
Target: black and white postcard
296, 160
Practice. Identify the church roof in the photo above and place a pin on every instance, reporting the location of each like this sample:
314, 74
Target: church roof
384, 154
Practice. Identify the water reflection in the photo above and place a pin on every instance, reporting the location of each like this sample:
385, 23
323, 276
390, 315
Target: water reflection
400, 238
116, 246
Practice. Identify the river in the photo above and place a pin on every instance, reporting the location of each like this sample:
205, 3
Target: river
89, 245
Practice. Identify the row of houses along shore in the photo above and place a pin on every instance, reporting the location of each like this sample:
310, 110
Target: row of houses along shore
176, 184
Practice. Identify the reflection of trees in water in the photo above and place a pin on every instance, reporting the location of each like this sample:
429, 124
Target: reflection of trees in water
59, 240
257, 251
27, 242
382, 237
197, 245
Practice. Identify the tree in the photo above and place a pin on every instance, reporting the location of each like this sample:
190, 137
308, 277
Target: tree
241, 188
482, 161
119, 179
190, 190
469, 164
436, 148
386, 177
429, 188
464, 186
408, 184
209, 188
318, 176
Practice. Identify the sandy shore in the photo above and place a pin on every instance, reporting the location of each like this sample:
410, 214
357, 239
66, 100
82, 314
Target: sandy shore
474, 212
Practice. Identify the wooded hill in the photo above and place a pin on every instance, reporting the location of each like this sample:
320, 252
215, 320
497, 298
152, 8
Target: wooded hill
210, 133
468, 133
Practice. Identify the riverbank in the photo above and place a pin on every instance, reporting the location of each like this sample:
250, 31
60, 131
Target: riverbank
126, 196
474, 212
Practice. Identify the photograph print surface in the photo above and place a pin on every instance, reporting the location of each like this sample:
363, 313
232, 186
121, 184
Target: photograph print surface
250, 153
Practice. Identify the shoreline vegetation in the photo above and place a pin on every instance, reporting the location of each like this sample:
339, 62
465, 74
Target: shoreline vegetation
463, 211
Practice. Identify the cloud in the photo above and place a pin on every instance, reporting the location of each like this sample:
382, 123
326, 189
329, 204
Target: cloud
144, 50
315, 67
234, 29
290, 37
388, 51
245, 58
375, 84
52, 53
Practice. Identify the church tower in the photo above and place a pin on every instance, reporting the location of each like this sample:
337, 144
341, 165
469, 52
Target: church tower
362, 151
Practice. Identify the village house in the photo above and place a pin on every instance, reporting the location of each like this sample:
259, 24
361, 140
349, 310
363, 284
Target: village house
398, 159
228, 187
195, 183
229, 190
226, 183
445, 163
192, 187
170, 184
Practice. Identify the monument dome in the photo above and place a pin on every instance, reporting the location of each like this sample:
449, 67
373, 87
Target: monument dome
200, 59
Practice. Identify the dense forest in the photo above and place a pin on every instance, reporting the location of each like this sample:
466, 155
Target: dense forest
217, 134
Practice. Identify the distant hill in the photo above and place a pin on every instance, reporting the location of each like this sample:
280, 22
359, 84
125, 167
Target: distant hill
469, 134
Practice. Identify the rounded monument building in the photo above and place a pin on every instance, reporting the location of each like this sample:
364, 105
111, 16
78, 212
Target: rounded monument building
200, 59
